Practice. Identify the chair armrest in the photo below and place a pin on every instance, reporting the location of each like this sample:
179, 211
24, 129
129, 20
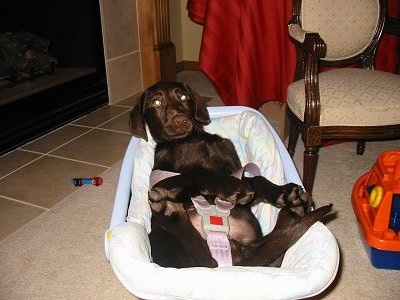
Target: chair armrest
307, 41
313, 48
297, 33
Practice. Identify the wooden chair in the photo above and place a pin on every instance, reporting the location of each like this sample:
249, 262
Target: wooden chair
354, 103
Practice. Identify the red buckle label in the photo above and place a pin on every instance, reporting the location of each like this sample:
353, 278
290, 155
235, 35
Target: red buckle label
215, 220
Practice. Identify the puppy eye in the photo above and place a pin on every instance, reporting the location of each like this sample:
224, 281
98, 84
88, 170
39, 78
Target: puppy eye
157, 99
157, 103
184, 97
181, 95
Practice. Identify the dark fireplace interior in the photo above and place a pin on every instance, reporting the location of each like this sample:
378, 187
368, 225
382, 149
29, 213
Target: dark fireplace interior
35, 99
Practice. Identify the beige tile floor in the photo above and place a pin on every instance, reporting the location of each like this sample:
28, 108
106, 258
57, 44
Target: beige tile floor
34, 177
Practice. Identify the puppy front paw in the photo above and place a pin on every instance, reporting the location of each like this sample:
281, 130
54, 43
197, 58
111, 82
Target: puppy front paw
162, 201
231, 189
165, 208
157, 194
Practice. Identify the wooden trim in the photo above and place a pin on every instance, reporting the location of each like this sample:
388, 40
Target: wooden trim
162, 40
187, 65
157, 52
150, 61
161, 24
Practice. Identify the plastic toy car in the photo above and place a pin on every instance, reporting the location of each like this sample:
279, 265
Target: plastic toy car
376, 204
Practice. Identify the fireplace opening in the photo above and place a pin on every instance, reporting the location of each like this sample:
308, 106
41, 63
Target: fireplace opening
24, 56
35, 101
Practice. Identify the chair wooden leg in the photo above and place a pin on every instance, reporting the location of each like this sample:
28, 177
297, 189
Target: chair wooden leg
310, 167
293, 137
360, 147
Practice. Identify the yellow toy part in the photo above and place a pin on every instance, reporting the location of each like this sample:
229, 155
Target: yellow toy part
375, 197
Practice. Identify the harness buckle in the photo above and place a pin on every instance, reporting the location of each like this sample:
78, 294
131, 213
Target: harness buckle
215, 223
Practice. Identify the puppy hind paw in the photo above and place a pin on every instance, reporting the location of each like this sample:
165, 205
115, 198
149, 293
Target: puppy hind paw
294, 196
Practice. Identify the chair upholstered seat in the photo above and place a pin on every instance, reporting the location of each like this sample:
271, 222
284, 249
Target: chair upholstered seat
352, 97
337, 94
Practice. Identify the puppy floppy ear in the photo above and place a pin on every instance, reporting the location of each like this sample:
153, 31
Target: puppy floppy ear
201, 112
137, 123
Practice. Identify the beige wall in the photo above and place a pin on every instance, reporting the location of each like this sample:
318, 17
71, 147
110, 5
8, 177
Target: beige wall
185, 34
121, 48
121, 40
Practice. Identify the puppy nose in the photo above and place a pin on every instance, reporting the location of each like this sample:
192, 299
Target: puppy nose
180, 121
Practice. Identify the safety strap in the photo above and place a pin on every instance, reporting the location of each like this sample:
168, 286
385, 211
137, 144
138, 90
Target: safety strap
214, 218
215, 224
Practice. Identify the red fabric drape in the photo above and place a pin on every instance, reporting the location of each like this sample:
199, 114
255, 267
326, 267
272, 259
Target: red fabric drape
387, 55
246, 52
245, 49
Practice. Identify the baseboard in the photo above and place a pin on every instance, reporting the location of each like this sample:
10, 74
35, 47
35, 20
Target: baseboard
187, 65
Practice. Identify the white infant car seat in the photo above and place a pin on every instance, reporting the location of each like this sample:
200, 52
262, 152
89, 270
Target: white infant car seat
307, 269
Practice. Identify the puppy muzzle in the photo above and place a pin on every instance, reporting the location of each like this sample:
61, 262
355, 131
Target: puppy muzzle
179, 126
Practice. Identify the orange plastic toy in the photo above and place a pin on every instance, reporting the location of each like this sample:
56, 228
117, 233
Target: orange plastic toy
376, 204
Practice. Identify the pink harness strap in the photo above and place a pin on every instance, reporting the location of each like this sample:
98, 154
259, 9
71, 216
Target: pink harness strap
215, 224
158, 175
215, 218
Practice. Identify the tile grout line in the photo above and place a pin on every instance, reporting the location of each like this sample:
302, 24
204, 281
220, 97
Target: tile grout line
123, 55
105, 122
76, 160
23, 166
123, 105
56, 156
42, 136
25, 203
93, 128
116, 116
73, 139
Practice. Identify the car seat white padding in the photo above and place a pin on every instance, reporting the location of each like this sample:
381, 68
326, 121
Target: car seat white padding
308, 267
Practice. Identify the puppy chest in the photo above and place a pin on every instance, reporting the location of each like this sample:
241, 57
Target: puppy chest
184, 156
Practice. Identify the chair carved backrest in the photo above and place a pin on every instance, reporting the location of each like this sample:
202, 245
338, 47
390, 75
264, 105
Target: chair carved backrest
350, 29
340, 103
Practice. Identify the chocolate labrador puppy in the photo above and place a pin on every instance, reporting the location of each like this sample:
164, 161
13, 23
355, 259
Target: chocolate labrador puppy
175, 116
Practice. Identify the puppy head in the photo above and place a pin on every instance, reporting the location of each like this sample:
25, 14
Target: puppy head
171, 110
